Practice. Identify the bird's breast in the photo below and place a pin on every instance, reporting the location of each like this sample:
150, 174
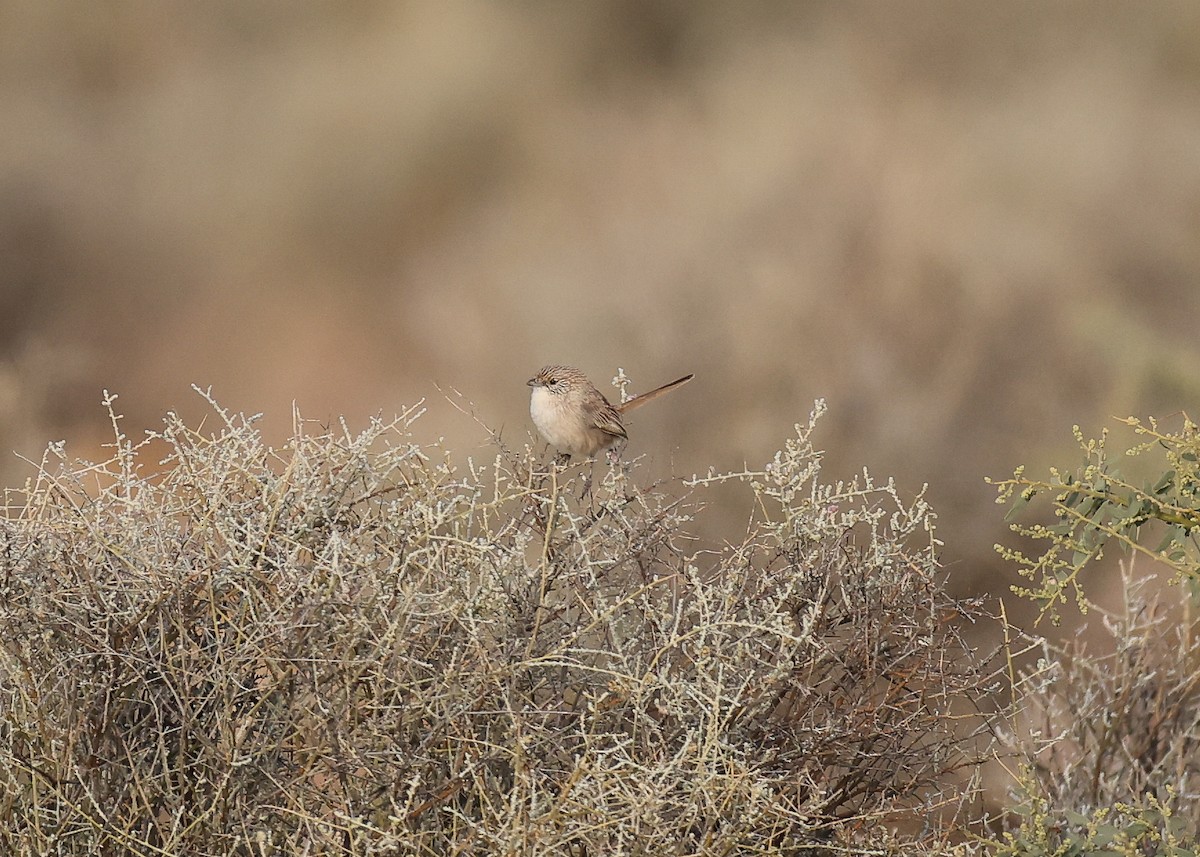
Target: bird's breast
555, 421
543, 408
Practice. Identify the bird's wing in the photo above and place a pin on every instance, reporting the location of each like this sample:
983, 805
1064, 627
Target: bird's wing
606, 418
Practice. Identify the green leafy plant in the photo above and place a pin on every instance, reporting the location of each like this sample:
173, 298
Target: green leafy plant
1104, 724
1146, 827
1096, 505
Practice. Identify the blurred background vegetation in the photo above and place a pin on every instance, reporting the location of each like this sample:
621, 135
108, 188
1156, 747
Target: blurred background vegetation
967, 225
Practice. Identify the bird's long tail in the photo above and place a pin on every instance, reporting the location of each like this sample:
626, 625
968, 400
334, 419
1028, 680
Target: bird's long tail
638, 401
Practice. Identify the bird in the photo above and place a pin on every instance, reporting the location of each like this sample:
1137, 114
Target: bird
574, 417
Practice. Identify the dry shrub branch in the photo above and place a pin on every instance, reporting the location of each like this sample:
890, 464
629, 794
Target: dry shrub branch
1107, 733
353, 644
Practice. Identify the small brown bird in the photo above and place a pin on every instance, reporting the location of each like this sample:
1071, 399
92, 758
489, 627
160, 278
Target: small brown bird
575, 417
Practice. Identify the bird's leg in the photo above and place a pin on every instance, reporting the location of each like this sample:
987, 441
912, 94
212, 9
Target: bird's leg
585, 492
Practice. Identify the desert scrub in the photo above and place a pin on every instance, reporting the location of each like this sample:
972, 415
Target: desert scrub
1106, 724
1106, 741
352, 644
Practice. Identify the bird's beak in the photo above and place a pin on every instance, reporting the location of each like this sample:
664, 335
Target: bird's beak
532, 382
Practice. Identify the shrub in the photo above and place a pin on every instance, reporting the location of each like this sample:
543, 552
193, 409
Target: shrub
1108, 736
1096, 503
352, 644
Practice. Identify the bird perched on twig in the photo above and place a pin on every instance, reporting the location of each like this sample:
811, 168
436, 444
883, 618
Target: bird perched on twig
574, 416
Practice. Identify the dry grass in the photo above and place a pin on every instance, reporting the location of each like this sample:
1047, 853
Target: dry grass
354, 644
1121, 719
1107, 733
